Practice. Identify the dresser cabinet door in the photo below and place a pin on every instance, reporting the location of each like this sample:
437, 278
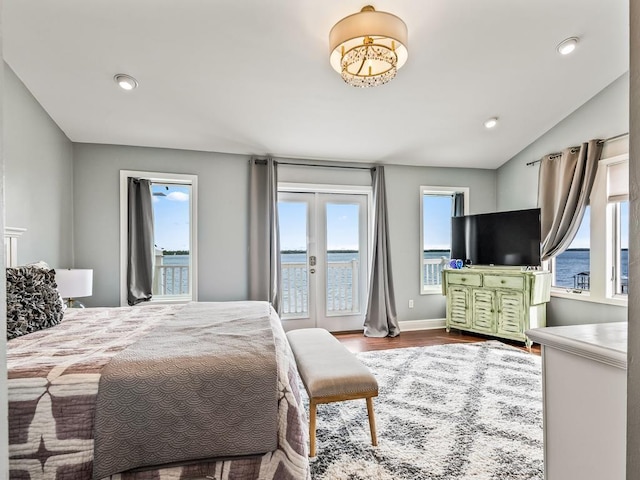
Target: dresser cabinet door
510, 312
482, 310
458, 306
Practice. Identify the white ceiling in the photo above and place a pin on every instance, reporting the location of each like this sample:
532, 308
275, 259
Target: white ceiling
253, 76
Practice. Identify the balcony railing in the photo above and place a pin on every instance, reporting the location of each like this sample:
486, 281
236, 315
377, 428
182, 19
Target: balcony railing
342, 288
431, 273
295, 290
171, 280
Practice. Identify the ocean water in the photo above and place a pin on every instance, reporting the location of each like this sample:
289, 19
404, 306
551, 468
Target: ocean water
572, 266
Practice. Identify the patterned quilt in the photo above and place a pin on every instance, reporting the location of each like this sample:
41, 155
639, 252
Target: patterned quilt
53, 378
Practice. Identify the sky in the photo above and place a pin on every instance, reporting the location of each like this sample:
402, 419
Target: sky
342, 226
437, 231
171, 222
171, 216
582, 237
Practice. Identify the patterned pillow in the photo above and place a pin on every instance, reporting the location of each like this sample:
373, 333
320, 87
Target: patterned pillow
33, 301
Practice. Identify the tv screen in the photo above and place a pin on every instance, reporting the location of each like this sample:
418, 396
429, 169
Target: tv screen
501, 238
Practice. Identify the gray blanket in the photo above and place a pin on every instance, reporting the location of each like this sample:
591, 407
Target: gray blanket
203, 385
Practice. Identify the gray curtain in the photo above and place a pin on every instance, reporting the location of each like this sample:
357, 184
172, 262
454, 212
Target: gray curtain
380, 319
264, 238
140, 241
564, 186
458, 205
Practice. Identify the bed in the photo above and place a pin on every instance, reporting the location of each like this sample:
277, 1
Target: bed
60, 422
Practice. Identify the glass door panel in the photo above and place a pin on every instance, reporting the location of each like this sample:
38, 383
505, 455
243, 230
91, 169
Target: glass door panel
342, 259
293, 214
342, 240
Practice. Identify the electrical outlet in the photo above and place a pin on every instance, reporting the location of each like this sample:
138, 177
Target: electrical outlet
410, 303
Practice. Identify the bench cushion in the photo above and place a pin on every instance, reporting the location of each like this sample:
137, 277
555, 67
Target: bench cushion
326, 367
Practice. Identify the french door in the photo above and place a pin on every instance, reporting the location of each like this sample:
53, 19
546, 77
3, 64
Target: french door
324, 254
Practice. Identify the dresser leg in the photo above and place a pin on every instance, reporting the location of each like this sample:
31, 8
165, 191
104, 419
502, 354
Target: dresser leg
528, 343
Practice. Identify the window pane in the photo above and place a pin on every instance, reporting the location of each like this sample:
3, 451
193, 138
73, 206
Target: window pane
623, 253
171, 214
572, 267
292, 218
342, 258
436, 235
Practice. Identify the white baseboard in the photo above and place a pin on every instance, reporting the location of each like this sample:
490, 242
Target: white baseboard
411, 325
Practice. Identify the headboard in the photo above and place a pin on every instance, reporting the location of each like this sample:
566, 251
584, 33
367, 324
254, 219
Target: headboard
11, 235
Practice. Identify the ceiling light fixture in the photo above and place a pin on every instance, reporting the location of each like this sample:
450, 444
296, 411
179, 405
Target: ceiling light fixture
368, 47
491, 123
567, 46
125, 82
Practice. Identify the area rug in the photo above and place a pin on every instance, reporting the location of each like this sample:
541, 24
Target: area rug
462, 411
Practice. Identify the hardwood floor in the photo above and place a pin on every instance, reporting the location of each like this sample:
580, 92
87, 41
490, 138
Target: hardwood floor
357, 342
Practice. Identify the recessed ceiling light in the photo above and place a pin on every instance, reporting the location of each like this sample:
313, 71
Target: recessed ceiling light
125, 82
567, 46
492, 122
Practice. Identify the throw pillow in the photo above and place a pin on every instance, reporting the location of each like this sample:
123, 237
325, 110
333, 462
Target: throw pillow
33, 301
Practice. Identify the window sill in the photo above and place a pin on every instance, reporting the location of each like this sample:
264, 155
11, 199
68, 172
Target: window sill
435, 291
586, 296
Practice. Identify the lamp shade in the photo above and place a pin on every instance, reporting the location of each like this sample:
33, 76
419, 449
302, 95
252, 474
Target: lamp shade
368, 47
74, 283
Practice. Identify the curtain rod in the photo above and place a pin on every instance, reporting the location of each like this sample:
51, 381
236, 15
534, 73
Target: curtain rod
323, 166
263, 162
599, 141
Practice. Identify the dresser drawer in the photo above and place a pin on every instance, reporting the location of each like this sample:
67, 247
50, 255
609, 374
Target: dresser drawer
460, 278
504, 281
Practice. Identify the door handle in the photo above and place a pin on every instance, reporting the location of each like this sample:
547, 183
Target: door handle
313, 270
312, 260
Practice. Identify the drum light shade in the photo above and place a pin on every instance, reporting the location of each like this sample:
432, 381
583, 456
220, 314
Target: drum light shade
368, 47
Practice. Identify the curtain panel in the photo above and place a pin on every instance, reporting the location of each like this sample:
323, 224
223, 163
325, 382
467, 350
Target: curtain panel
140, 241
564, 186
264, 237
458, 205
380, 319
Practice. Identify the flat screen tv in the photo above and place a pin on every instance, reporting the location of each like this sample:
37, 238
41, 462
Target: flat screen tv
501, 238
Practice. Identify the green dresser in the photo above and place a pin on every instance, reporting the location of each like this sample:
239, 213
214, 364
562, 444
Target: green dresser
499, 302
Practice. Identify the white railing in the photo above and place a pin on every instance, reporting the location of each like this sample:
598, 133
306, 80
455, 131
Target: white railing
295, 291
171, 280
431, 272
342, 288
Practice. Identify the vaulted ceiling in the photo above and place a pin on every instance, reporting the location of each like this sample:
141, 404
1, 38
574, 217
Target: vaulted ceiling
253, 77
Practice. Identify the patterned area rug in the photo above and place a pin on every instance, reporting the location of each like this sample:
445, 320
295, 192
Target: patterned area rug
463, 411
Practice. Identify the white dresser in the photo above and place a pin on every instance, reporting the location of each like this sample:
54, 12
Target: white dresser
584, 373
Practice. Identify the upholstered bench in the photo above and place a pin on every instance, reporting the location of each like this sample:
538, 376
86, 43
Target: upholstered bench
330, 373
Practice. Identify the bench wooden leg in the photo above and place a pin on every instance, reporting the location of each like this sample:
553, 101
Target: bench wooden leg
372, 421
312, 428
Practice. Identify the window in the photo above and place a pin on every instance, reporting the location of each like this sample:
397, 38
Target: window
436, 208
572, 267
621, 247
174, 199
596, 264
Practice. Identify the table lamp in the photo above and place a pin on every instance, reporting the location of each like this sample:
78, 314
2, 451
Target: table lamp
73, 283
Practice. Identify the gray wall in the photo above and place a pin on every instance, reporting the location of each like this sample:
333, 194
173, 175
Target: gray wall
4, 428
605, 115
403, 203
222, 215
633, 372
38, 178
